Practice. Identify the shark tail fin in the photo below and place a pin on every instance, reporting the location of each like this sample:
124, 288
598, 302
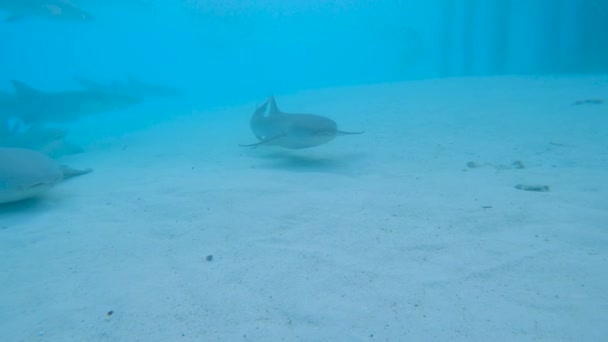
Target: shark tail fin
24, 90
14, 17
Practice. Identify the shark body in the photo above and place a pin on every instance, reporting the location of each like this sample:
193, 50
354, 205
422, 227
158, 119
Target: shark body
25, 174
62, 10
133, 87
34, 106
294, 131
48, 140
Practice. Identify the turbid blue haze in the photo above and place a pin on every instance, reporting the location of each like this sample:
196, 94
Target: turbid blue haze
223, 52
472, 209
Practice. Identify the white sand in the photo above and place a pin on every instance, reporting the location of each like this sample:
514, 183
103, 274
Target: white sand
381, 236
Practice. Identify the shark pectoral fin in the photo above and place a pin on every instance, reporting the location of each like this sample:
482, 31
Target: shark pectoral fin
252, 145
263, 142
349, 133
14, 17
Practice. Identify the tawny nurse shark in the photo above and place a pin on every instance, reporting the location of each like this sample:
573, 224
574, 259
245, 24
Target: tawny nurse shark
25, 174
294, 131
34, 106
132, 87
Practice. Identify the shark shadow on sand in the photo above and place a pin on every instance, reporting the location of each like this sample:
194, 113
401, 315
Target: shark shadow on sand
335, 164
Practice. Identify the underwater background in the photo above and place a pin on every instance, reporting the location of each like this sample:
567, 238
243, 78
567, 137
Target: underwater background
225, 52
463, 198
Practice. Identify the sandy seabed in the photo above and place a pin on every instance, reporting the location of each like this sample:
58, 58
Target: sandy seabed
413, 231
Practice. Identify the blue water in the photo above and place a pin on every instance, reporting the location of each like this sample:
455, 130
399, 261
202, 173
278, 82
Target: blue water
418, 229
223, 52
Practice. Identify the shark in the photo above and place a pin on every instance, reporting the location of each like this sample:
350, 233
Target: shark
289, 130
26, 173
133, 87
62, 10
48, 140
34, 106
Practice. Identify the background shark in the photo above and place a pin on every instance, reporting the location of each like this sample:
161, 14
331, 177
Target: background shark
50, 9
48, 140
33, 106
133, 87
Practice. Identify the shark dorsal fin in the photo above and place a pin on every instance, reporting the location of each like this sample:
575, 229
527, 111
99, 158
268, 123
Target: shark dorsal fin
24, 90
272, 107
133, 81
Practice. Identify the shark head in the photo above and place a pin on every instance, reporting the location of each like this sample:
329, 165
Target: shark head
25, 173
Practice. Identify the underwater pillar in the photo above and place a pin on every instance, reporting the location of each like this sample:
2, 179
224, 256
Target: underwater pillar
498, 55
445, 68
570, 45
550, 52
593, 35
469, 42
